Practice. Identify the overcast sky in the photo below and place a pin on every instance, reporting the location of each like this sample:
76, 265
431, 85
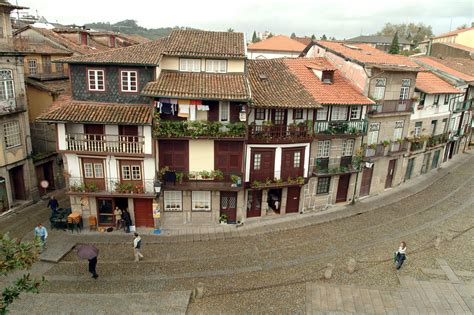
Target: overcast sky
339, 18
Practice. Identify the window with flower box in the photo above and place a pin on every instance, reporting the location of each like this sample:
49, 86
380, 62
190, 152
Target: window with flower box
173, 201
201, 201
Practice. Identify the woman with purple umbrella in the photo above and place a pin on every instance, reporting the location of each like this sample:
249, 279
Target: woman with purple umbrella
90, 253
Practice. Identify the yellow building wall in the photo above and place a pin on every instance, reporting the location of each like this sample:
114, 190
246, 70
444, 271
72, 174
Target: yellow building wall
201, 155
39, 63
38, 102
235, 65
466, 38
169, 63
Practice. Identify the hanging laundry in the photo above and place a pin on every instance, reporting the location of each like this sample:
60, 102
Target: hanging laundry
174, 101
203, 107
196, 102
167, 108
165, 100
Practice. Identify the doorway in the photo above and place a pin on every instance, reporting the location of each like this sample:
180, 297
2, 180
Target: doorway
18, 183
274, 200
229, 206
426, 163
366, 181
434, 163
293, 200
343, 188
105, 211
3, 195
410, 164
143, 209
390, 173
254, 203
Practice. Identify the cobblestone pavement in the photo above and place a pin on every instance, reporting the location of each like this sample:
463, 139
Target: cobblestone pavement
262, 271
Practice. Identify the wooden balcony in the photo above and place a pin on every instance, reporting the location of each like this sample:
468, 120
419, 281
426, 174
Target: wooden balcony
391, 107
166, 129
340, 128
279, 133
109, 186
105, 143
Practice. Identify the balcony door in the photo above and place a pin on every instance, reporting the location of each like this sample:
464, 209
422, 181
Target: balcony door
343, 187
129, 140
228, 157
94, 137
262, 164
279, 117
174, 155
93, 174
292, 163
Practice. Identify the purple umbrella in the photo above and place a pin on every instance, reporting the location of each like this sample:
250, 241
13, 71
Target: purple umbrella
87, 251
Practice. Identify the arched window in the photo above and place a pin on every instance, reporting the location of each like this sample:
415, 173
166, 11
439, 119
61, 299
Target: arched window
6, 85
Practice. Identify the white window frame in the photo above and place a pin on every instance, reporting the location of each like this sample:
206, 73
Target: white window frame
348, 147
418, 128
224, 112
32, 66
398, 130
322, 114
98, 170
126, 172
173, 200
216, 65
356, 112
11, 134
96, 78
88, 170
405, 89
379, 90
257, 161
190, 64
136, 172
324, 149
201, 201
339, 113
127, 83
297, 159
373, 134
7, 89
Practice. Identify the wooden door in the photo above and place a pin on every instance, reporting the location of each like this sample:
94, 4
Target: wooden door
293, 200
343, 188
175, 155
254, 203
434, 163
228, 157
93, 173
366, 181
292, 163
18, 183
426, 163
128, 133
91, 129
262, 164
143, 209
390, 173
95, 137
279, 117
409, 168
229, 205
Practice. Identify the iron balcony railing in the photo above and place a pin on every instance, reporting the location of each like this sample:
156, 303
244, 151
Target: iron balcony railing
105, 143
391, 106
340, 127
344, 164
398, 146
437, 139
110, 185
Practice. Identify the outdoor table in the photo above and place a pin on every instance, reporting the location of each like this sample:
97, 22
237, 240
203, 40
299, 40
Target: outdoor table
74, 221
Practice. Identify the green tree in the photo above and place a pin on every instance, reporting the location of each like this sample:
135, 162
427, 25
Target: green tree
313, 37
270, 35
416, 32
17, 256
230, 29
254, 37
324, 37
395, 46
293, 36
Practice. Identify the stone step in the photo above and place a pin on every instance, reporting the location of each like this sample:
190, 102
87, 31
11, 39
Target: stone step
173, 302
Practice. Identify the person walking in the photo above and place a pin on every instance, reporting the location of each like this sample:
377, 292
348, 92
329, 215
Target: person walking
92, 266
127, 220
137, 244
41, 234
118, 218
53, 204
400, 255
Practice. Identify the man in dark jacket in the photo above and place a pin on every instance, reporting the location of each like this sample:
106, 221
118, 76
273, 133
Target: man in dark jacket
127, 219
53, 204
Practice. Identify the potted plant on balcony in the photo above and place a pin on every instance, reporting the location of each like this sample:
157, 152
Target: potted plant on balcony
179, 177
268, 181
77, 187
386, 143
217, 174
223, 218
138, 189
91, 187
255, 184
373, 146
192, 176
300, 180
205, 174
235, 180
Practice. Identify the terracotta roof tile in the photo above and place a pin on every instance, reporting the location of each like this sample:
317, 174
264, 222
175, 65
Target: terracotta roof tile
138, 39
47, 48
274, 85
64, 109
194, 43
304, 40
140, 54
429, 83
53, 86
278, 43
340, 92
199, 85
369, 55
454, 32
459, 46
454, 67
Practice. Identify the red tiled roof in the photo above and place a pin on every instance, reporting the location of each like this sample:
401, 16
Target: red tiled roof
274, 85
304, 40
441, 65
454, 32
47, 48
340, 92
140, 54
369, 55
195, 43
459, 46
199, 85
64, 109
278, 43
429, 83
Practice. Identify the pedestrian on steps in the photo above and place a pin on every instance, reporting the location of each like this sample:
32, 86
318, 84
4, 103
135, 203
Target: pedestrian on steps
92, 266
137, 244
53, 204
41, 234
127, 220
400, 255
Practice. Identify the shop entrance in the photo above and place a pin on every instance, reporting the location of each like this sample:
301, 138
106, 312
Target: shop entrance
274, 200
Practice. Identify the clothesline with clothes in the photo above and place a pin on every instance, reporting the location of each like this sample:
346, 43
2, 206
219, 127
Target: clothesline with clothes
182, 108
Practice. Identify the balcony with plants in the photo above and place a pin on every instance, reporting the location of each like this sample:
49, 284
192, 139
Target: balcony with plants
267, 132
340, 128
436, 140
204, 129
101, 143
417, 143
398, 146
277, 182
210, 179
78, 185
391, 107
337, 166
